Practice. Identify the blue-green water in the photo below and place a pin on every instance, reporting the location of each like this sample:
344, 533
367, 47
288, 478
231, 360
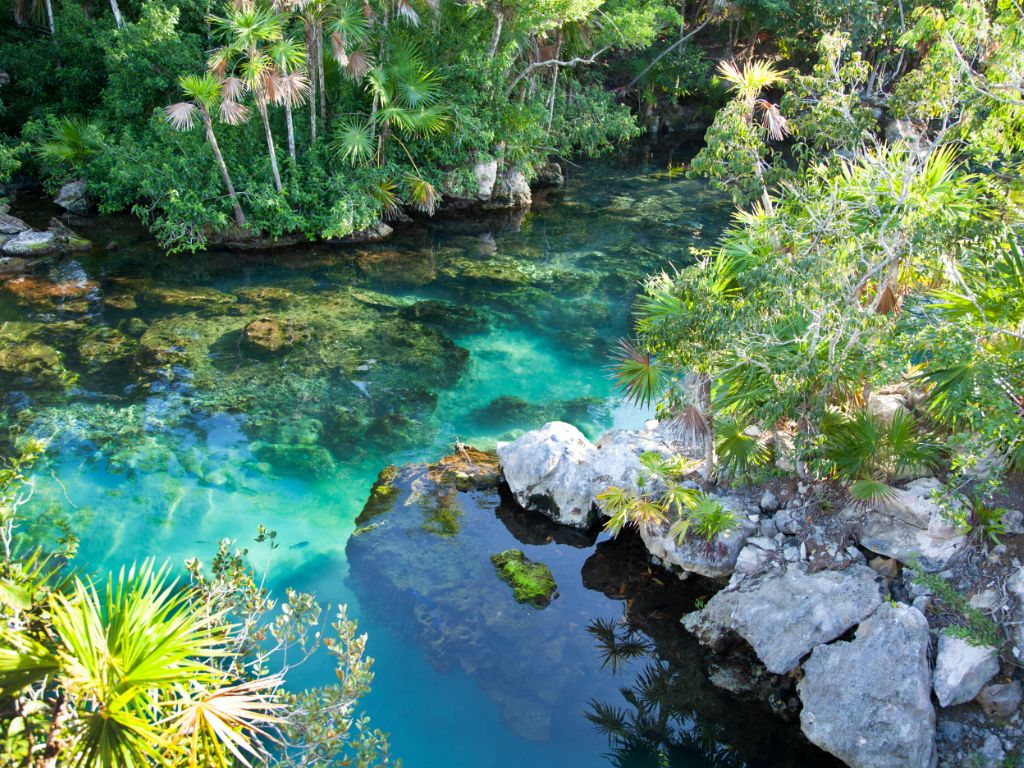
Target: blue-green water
178, 432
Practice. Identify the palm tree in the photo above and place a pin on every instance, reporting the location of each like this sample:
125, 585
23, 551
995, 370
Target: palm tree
36, 12
289, 86
248, 31
130, 677
204, 92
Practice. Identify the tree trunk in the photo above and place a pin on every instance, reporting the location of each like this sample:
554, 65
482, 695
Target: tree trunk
212, 138
311, 60
49, 17
261, 105
320, 74
709, 432
499, 22
54, 745
291, 129
118, 19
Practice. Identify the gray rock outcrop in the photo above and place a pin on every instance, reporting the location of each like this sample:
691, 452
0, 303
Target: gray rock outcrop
31, 243
74, 197
551, 470
868, 701
962, 669
784, 615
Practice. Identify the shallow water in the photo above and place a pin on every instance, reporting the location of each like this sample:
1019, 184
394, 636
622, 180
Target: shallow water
178, 433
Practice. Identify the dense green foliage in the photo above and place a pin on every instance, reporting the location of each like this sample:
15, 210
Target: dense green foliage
142, 671
878, 248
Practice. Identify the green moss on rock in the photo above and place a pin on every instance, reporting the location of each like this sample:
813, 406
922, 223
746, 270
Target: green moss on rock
531, 582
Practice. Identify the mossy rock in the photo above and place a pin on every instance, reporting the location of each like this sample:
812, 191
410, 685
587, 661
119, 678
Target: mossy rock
190, 297
299, 460
102, 347
531, 582
268, 336
266, 296
449, 317
382, 496
410, 268
29, 364
467, 469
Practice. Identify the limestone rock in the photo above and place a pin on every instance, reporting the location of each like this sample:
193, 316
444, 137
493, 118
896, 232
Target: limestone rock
74, 197
769, 502
909, 526
265, 335
785, 615
962, 669
375, 233
694, 555
1001, 700
67, 238
1016, 586
511, 191
31, 243
550, 470
549, 175
486, 173
884, 407
12, 225
868, 701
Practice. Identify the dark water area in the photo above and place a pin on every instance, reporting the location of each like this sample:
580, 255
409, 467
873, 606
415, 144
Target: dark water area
190, 399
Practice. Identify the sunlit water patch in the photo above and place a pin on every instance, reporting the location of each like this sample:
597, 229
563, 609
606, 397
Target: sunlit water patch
189, 400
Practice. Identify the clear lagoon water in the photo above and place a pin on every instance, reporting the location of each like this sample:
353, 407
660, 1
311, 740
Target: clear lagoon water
178, 432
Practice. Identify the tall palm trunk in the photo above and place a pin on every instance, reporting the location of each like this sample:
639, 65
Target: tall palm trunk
499, 22
709, 427
118, 18
212, 138
309, 28
320, 72
49, 17
261, 105
291, 129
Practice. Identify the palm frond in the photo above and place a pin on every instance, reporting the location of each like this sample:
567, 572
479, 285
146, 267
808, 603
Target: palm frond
181, 116
638, 376
353, 142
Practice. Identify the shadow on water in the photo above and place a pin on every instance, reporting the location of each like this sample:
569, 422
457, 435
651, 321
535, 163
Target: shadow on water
188, 399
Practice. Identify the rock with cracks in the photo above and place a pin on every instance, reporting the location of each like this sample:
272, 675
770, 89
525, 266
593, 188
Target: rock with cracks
784, 615
962, 669
868, 701
550, 470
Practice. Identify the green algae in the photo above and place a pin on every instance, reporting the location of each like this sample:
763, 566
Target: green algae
531, 582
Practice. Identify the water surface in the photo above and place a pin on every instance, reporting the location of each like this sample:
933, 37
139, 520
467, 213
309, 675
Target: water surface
178, 431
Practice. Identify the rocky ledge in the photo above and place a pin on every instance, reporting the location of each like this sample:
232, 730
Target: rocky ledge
21, 246
905, 640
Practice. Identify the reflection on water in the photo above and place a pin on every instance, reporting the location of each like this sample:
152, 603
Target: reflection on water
187, 400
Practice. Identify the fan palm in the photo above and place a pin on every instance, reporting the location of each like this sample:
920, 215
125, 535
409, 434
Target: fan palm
248, 33
71, 141
137, 683
204, 93
289, 85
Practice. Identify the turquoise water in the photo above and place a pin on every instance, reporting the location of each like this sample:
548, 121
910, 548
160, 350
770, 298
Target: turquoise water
178, 432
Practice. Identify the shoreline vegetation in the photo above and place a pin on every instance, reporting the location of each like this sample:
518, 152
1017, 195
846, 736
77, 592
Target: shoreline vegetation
838, 382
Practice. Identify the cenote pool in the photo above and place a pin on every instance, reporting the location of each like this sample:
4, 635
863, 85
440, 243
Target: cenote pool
170, 428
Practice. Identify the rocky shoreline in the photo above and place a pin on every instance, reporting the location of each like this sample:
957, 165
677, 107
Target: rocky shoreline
829, 614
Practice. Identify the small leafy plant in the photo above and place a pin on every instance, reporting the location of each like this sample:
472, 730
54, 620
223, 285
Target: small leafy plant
969, 623
981, 520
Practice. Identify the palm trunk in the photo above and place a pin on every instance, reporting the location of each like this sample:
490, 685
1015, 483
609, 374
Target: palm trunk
291, 129
49, 18
212, 138
261, 105
311, 60
709, 432
118, 19
320, 74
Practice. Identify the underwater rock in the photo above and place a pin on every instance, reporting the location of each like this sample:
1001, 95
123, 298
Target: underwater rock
868, 701
13, 264
101, 347
183, 297
266, 296
783, 616
39, 290
32, 365
446, 316
74, 198
550, 470
298, 460
31, 243
422, 559
267, 336
397, 431
467, 469
531, 582
514, 412
411, 268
